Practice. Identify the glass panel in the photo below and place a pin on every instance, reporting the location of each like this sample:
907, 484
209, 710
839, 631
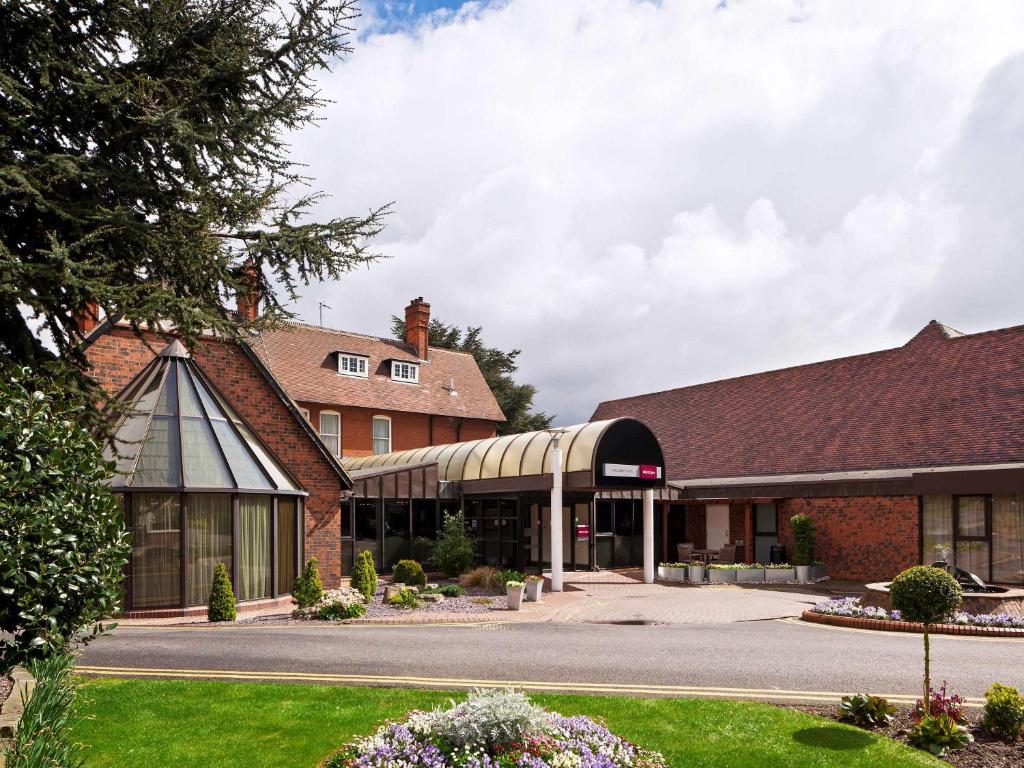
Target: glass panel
156, 550
268, 463
938, 529
167, 404
160, 462
1008, 539
973, 557
247, 473
767, 519
189, 403
209, 542
381, 435
971, 516
287, 541
396, 533
623, 532
582, 517
253, 547
366, 528
204, 466
604, 517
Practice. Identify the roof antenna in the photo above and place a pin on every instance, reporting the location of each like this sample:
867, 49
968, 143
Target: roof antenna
321, 305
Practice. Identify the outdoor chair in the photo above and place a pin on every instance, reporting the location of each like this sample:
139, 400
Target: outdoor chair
684, 552
727, 554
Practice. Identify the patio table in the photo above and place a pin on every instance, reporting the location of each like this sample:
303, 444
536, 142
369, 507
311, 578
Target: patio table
707, 555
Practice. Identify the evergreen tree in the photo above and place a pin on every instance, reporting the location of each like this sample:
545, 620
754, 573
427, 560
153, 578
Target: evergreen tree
497, 366
222, 597
308, 589
144, 165
364, 575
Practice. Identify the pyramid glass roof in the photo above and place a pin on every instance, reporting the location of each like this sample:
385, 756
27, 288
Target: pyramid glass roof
179, 433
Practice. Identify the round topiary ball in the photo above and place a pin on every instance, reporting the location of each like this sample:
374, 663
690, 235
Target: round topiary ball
926, 594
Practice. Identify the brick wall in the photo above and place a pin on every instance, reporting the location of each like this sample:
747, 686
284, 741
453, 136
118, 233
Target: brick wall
118, 355
865, 538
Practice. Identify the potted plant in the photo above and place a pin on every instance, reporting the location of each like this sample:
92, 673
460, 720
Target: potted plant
722, 573
677, 573
750, 574
818, 571
803, 550
779, 572
534, 588
663, 571
514, 591
695, 572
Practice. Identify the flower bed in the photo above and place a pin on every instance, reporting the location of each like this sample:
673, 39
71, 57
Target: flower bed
851, 607
494, 729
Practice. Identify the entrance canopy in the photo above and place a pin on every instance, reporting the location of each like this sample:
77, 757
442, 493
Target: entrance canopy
612, 454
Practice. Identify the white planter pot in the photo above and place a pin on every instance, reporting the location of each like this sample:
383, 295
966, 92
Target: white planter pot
803, 574
722, 575
677, 575
819, 572
662, 573
750, 575
779, 574
515, 597
696, 574
534, 590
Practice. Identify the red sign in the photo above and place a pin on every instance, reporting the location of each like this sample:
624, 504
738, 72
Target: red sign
648, 472
582, 531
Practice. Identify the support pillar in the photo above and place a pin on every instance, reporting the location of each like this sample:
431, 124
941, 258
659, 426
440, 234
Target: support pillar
556, 514
648, 503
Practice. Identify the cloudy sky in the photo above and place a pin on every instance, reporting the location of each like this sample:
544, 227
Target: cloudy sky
642, 195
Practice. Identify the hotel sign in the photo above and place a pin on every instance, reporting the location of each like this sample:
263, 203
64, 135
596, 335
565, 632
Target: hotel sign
636, 471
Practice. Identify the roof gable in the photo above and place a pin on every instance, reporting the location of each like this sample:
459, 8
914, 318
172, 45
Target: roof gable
942, 399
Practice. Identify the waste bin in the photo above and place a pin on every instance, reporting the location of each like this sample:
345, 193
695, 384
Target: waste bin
777, 554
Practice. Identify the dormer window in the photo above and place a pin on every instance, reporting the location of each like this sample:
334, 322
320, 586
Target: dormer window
352, 365
407, 372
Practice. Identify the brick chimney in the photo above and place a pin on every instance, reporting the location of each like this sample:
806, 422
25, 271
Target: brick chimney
247, 303
417, 322
86, 317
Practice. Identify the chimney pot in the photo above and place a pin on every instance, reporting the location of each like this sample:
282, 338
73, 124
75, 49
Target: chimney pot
417, 325
86, 318
247, 302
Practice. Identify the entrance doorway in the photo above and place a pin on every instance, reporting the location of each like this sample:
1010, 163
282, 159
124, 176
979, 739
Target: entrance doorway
766, 531
717, 525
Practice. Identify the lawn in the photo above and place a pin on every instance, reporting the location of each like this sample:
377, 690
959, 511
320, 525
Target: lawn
153, 724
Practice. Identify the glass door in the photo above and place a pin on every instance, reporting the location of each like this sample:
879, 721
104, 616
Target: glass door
766, 531
973, 552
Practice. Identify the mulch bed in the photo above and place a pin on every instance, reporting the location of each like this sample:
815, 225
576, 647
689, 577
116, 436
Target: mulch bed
985, 752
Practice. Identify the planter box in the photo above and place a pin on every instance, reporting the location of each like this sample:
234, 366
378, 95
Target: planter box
819, 572
662, 573
695, 573
515, 597
534, 590
722, 575
676, 575
805, 574
779, 574
750, 575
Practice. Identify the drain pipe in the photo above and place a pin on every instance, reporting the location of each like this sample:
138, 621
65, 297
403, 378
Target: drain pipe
556, 511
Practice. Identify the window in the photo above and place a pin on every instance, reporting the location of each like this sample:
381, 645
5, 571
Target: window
352, 365
409, 372
381, 434
330, 431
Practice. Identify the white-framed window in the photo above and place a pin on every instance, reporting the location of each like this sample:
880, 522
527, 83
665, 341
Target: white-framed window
381, 434
330, 431
409, 372
352, 365
305, 413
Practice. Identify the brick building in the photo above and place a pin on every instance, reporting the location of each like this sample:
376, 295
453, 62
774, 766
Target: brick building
903, 456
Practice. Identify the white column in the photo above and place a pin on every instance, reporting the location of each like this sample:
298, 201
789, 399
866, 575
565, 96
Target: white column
556, 514
649, 536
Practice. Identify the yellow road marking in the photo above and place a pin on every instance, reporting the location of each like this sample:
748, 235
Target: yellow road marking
767, 694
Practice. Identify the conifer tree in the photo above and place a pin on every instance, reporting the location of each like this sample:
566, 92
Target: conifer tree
222, 597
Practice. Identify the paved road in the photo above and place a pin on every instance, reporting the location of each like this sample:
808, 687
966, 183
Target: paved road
776, 660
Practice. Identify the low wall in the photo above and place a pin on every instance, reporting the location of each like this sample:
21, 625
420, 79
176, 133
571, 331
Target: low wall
10, 715
1011, 601
885, 625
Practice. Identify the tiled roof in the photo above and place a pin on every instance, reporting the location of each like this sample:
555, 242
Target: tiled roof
942, 399
302, 358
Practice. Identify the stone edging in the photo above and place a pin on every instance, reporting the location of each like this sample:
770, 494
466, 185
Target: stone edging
14, 706
885, 625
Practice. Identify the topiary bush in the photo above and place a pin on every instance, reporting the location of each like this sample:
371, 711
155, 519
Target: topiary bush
410, 572
308, 588
454, 552
221, 606
1004, 712
803, 539
364, 575
927, 595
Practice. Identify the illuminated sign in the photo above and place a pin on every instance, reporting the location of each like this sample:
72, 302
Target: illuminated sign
637, 471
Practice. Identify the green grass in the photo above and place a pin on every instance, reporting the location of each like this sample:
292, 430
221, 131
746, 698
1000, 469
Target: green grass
153, 724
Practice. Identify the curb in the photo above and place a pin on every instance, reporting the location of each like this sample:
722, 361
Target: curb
452, 618
885, 625
15, 704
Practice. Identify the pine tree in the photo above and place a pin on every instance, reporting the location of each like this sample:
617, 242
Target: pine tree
308, 587
222, 597
364, 575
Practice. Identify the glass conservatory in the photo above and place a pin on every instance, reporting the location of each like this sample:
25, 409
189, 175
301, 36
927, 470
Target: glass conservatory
199, 488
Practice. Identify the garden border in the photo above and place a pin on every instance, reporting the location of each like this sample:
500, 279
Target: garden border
888, 625
14, 707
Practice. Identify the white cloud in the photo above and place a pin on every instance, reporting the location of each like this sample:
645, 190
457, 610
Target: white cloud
643, 195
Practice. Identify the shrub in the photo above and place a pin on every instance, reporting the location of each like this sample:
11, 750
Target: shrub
803, 539
941, 703
508, 576
454, 551
483, 577
410, 572
222, 598
939, 734
308, 589
448, 590
337, 610
866, 711
486, 719
44, 736
364, 575
63, 543
405, 598
929, 596
1004, 711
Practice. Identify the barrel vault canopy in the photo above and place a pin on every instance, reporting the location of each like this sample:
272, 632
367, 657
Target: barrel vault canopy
586, 449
